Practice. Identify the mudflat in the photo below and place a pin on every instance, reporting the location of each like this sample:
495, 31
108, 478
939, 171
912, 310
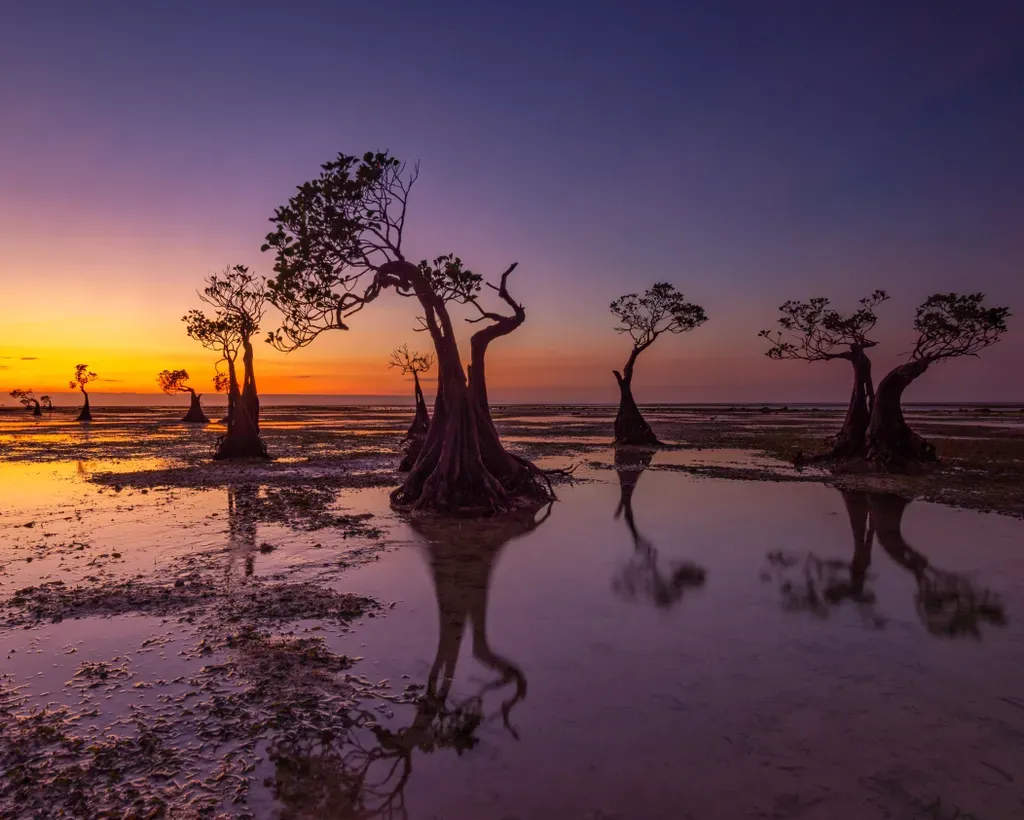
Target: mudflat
703, 630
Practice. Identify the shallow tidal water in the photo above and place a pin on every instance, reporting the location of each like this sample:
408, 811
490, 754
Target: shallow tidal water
721, 699
654, 645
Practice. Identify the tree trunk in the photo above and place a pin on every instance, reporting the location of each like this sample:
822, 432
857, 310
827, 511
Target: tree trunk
421, 421
462, 468
863, 540
37, 410
851, 440
417, 435
630, 426
195, 414
891, 444
86, 414
242, 439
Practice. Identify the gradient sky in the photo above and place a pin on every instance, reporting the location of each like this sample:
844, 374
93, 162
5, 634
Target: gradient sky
749, 152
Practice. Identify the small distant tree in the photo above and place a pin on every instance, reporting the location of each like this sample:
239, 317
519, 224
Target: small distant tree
948, 325
239, 302
413, 362
28, 399
813, 331
662, 309
221, 384
220, 336
47, 403
83, 375
175, 381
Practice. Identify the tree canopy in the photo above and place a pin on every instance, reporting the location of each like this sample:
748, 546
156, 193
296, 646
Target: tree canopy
25, 397
661, 309
952, 324
173, 381
83, 375
814, 331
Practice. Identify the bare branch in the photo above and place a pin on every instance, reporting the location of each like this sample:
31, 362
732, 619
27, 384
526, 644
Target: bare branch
409, 361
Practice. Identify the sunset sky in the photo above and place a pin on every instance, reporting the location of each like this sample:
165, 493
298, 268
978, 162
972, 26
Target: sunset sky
748, 152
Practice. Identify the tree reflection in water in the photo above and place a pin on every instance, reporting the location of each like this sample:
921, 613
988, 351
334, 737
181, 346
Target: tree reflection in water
642, 578
302, 508
948, 603
363, 773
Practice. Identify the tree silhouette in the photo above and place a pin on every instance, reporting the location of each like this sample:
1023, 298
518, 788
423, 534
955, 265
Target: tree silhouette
47, 403
28, 399
239, 302
415, 363
338, 245
642, 577
948, 603
661, 309
82, 377
174, 381
222, 384
949, 325
813, 331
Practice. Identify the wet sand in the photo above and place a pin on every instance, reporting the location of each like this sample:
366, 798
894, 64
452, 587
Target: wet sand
700, 632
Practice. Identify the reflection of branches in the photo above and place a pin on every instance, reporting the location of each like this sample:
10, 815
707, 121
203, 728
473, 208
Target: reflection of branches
462, 557
947, 603
306, 508
816, 585
641, 577
363, 771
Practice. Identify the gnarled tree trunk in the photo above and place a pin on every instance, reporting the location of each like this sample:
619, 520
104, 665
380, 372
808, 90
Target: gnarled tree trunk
630, 426
242, 439
37, 409
421, 421
195, 414
462, 467
417, 435
86, 414
851, 440
891, 444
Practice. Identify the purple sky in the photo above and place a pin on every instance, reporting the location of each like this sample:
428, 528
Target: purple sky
749, 152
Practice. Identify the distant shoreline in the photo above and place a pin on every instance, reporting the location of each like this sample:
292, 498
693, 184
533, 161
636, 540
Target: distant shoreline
400, 401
